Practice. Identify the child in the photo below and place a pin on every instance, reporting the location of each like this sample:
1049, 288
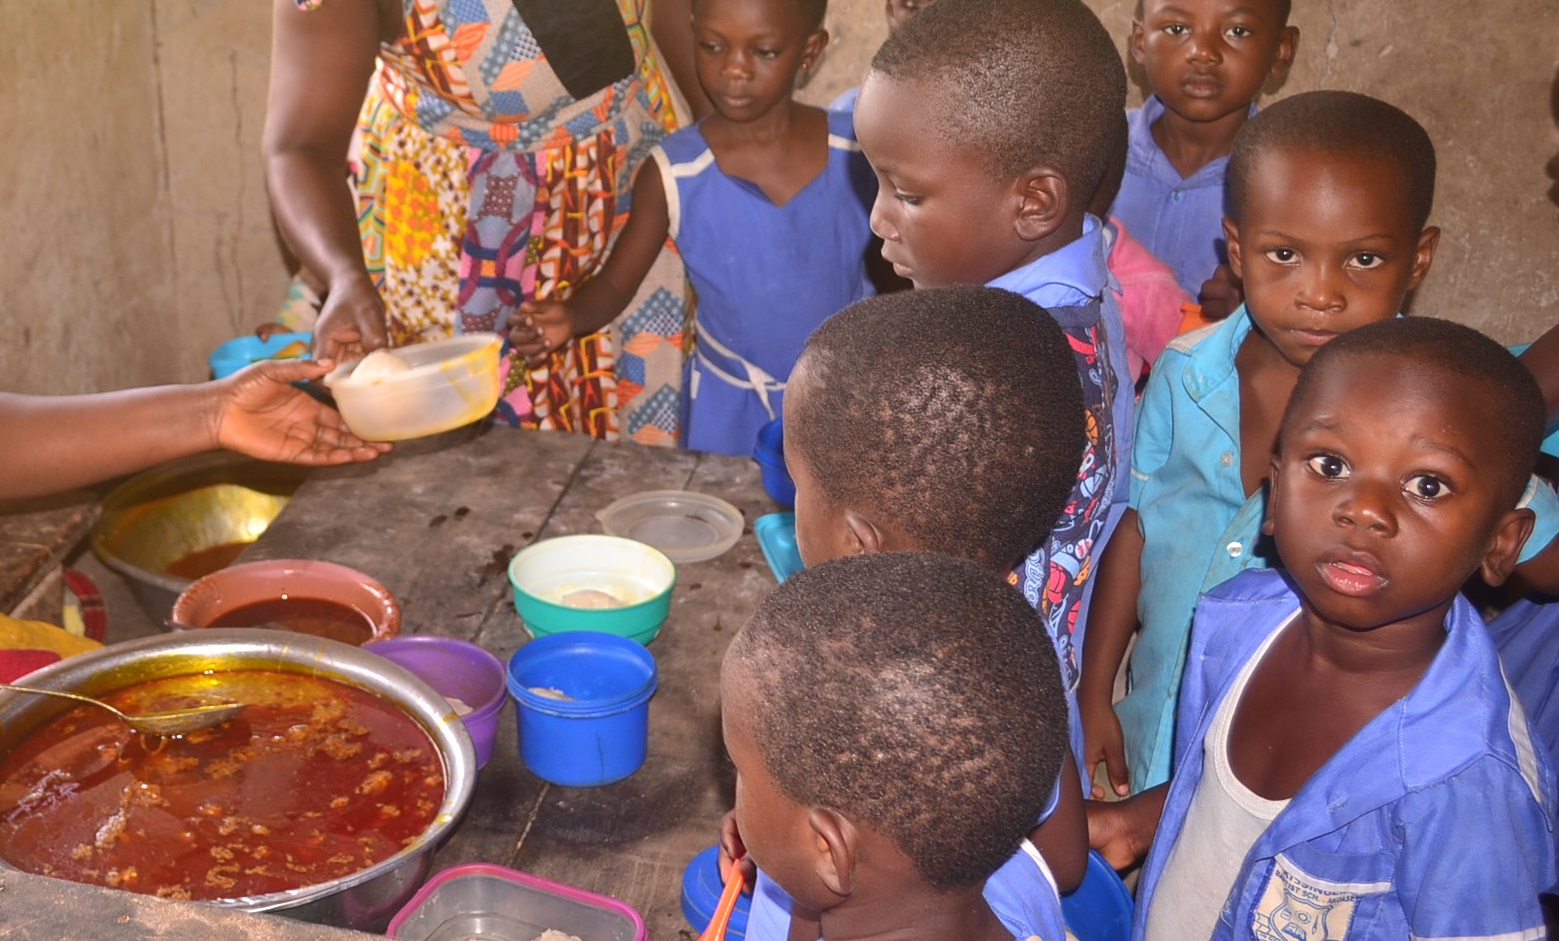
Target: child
988, 142
1351, 760
1329, 193
896, 722
898, 13
767, 202
1205, 62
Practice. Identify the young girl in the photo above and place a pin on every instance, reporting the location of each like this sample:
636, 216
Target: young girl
767, 201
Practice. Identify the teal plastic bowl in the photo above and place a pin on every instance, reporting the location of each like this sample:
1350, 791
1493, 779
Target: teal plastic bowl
553, 580
237, 353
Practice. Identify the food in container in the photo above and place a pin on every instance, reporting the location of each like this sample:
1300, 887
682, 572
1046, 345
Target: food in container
418, 390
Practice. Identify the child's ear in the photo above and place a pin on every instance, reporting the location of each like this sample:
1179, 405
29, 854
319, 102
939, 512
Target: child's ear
1231, 237
1423, 255
835, 841
864, 536
1272, 497
816, 40
1505, 548
1288, 44
1138, 42
1043, 203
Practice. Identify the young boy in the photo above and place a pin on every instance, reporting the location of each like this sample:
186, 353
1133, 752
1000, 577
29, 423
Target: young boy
1329, 193
988, 140
1205, 62
896, 723
1351, 760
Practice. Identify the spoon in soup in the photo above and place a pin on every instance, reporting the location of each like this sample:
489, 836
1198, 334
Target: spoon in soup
171, 723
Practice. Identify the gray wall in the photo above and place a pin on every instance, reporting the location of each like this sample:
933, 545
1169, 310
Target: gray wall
137, 234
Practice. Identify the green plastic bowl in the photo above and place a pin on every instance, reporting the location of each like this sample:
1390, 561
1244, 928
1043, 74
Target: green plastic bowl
638, 576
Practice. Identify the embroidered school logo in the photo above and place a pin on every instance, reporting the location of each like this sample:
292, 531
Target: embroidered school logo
1296, 906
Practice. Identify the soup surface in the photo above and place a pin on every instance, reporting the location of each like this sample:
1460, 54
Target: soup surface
316, 616
203, 562
312, 781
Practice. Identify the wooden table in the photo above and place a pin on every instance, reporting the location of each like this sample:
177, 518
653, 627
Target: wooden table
438, 526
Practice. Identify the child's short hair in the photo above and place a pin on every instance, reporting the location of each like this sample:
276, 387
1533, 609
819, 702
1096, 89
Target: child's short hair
1031, 82
812, 11
956, 412
1468, 356
915, 693
1338, 122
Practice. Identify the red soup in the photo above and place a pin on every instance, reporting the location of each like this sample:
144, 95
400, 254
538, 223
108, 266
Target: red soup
312, 781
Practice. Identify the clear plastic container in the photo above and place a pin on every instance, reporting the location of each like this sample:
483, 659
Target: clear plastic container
687, 526
450, 383
481, 902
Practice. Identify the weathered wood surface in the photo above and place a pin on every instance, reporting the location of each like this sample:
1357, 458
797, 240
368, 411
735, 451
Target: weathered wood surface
437, 528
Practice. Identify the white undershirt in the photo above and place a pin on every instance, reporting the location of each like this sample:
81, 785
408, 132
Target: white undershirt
1223, 821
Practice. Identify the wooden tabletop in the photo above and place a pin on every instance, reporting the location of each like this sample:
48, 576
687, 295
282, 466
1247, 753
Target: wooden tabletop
437, 522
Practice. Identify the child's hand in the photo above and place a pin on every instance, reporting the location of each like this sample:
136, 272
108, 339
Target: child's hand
351, 322
1122, 831
259, 413
732, 847
539, 329
1102, 741
267, 330
1221, 294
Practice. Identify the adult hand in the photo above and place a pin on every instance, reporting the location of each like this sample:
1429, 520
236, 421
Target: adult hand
539, 329
351, 322
260, 413
1102, 741
1221, 294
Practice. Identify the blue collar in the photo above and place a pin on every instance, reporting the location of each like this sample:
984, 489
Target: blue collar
1070, 276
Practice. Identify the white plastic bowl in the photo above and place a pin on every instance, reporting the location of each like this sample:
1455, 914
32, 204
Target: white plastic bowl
451, 383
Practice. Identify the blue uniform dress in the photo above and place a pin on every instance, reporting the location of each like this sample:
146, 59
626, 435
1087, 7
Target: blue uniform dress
765, 276
1198, 527
1022, 893
1072, 283
1433, 821
1179, 219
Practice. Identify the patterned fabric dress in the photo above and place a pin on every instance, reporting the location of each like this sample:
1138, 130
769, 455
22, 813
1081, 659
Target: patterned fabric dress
496, 153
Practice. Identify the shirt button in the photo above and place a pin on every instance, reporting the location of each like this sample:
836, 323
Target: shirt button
1235, 550
1226, 458
1177, 195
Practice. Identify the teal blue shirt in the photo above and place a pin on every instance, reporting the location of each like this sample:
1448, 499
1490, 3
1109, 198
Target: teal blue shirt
1198, 527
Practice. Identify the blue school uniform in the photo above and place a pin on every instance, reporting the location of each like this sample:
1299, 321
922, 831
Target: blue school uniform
1179, 219
1056, 578
765, 276
1022, 894
1433, 821
1198, 527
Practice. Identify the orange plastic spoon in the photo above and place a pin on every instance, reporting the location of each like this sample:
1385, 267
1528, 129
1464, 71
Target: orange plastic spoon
734, 883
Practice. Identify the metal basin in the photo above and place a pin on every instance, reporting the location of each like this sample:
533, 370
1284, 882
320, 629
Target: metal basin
168, 514
365, 900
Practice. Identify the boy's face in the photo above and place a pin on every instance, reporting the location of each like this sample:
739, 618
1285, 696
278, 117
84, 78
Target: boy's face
1326, 243
1387, 492
748, 54
942, 218
900, 11
1208, 59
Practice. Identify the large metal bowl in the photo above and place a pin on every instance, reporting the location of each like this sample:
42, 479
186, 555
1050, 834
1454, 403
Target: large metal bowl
166, 514
365, 900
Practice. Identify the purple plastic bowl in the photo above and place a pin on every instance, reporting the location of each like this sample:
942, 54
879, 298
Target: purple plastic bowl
457, 669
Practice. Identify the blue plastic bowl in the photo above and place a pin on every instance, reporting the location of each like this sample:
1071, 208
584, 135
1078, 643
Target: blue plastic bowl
583, 704
769, 452
1100, 909
701, 887
236, 354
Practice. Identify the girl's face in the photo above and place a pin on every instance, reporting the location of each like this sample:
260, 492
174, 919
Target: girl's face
749, 54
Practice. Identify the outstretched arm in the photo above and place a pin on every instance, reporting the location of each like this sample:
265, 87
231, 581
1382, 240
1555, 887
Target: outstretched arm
56, 443
1111, 622
1122, 831
321, 63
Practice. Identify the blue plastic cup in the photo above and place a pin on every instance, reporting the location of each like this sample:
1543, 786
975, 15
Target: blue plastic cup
583, 705
769, 452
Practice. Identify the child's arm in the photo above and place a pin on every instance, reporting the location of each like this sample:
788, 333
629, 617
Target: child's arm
1123, 830
540, 327
56, 443
1542, 358
1063, 838
1111, 622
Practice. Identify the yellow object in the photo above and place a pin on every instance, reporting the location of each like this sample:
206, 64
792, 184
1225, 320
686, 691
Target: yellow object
36, 635
294, 350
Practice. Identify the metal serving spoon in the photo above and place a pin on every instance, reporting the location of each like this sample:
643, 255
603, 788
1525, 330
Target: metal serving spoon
170, 724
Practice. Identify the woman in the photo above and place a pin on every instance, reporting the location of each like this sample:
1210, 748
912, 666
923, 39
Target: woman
493, 156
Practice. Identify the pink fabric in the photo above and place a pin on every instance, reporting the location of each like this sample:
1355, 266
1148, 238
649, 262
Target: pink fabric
15, 664
1150, 298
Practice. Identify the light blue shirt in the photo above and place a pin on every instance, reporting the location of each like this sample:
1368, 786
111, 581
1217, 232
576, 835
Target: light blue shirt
1432, 821
1179, 219
1198, 527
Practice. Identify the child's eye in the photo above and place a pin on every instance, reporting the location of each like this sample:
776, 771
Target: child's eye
1427, 487
906, 198
1367, 260
1282, 256
768, 53
1240, 32
709, 46
1329, 466
1177, 29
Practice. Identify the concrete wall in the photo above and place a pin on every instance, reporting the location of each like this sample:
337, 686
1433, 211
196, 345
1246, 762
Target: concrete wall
137, 234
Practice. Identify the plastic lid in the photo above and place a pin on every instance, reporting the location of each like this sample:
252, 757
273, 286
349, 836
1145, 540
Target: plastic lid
687, 526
